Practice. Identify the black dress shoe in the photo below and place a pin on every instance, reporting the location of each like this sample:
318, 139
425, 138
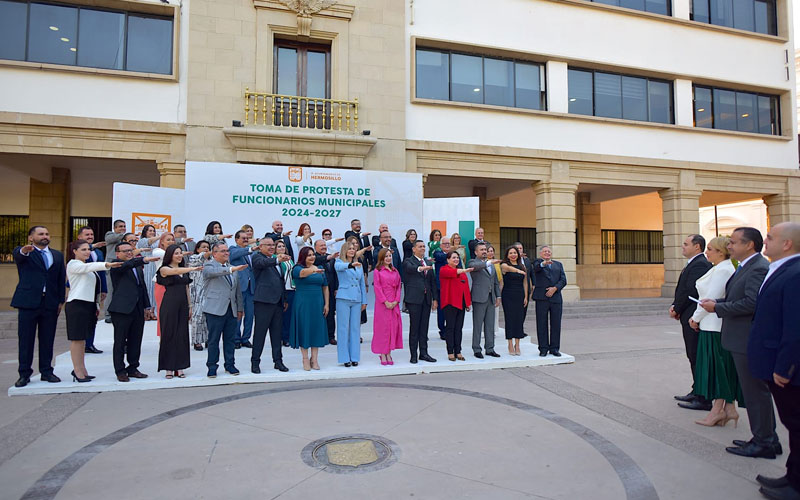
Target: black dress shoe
413, 360
255, 368
772, 482
237, 346
479, 355
198, 347
752, 450
348, 364
555, 353
123, 377
108, 320
785, 493
776, 447
280, 366
492, 354
233, 371
355, 363
687, 398
426, 357
247, 344
93, 350
332, 341
22, 382
542, 353
137, 374
50, 377
697, 404
285, 344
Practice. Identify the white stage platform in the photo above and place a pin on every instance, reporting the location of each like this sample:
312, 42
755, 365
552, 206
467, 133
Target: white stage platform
101, 365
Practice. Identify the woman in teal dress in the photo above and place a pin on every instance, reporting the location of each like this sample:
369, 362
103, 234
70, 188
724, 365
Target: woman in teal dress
309, 329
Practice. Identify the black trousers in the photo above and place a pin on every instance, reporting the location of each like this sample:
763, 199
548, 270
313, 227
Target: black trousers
757, 397
268, 317
330, 319
128, 331
787, 400
29, 321
547, 310
690, 341
453, 324
420, 315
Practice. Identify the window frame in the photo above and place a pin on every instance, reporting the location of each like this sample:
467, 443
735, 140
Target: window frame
668, 4
301, 89
605, 251
777, 124
773, 22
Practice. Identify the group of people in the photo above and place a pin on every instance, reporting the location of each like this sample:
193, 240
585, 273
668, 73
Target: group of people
206, 291
740, 316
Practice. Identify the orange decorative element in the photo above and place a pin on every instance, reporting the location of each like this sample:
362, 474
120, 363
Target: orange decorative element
161, 222
295, 174
441, 225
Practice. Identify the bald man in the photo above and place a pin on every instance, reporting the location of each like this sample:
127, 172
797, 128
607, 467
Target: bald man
773, 350
278, 234
479, 234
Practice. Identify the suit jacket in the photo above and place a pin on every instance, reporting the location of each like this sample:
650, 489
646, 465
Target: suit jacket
420, 287
350, 282
739, 304
687, 286
396, 261
286, 240
546, 277
471, 244
330, 271
485, 285
112, 239
774, 344
127, 290
364, 244
238, 256
220, 292
84, 280
269, 285
34, 277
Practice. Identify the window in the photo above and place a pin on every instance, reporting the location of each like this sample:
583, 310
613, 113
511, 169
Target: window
611, 95
100, 226
87, 37
735, 110
13, 233
749, 15
451, 76
654, 6
302, 70
511, 235
632, 247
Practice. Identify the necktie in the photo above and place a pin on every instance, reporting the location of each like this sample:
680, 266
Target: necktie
228, 277
46, 259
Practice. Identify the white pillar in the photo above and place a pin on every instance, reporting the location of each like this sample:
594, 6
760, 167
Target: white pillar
557, 87
684, 104
680, 9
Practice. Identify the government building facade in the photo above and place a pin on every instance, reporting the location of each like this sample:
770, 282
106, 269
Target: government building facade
599, 128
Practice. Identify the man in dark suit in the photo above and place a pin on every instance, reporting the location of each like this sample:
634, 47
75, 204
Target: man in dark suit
479, 233
386, 241
550, 279
38, 299
355, 230
376, 239
241, 253
326, 261
485, 300
86, 234
736, 311
421, 295
773, 350
683, 308
112, 238
278, 234
127, 310
269, 302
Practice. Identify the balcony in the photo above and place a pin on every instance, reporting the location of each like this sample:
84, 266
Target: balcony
299, 130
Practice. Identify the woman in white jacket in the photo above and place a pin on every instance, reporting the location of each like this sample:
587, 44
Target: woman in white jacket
715, 373
81, 307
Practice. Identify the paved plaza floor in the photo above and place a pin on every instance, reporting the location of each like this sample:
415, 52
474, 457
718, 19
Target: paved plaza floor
605, 426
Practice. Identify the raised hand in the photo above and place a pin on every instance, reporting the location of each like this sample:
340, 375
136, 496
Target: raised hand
99, 244
110, 265
27, 249
226, 236
238, 268
151, 259
287, 233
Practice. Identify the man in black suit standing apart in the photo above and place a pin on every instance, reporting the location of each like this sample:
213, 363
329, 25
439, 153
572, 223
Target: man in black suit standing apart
127, 308
268, 302
478, 240
421, 295
683, 308
550, 279
736, 311
278, 234
38, 299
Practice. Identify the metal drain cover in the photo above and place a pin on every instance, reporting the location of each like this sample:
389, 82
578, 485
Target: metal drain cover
350, 453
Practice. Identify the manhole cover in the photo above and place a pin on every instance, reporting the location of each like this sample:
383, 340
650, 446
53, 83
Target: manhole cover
350, 453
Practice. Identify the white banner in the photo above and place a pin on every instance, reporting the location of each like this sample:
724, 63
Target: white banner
452, 215
237, 194
140, 205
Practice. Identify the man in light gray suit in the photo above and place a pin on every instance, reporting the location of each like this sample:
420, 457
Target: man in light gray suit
485, 297
222, 307
736, 311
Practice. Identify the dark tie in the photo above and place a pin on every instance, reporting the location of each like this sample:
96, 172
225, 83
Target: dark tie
136, 275
228, 277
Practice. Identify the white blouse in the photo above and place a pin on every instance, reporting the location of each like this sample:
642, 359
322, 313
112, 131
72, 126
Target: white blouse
157, 252
82, 279
712, 286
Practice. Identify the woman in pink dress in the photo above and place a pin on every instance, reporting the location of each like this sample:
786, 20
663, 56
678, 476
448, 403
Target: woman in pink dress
387, 329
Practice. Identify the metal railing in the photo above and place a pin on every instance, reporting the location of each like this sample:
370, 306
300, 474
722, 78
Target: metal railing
300, 112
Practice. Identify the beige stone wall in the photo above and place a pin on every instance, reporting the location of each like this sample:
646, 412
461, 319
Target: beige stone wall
518, 209
622, 276
634, 212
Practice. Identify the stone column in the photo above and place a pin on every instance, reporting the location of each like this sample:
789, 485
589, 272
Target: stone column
555, 226
589, 231
681, 212
173, 173
490, 218
784, 207
50, 207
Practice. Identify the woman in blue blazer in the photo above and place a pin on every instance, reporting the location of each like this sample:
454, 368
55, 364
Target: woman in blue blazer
351, 299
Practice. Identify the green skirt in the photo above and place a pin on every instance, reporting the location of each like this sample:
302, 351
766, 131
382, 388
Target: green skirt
715, 374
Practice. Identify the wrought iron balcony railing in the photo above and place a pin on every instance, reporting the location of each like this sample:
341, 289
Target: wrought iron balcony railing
261, 108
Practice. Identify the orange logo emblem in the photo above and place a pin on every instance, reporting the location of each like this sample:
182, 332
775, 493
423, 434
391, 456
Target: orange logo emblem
295, 174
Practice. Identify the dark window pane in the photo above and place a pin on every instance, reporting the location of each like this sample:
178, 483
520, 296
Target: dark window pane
745, 112
13, 21
52, 34
722, 12
287, 71
467, 78
743, 15
767, 115
765, 21
580, 92
632, 4
660, 102
433, 75
634, 98
700, 11
607, 95
149, 45
498, 75
702, 107
527, 79
607, 2
724, 109
657, 6
102, 39
316, 85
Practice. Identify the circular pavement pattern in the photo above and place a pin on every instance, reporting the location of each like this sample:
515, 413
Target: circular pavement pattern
351, 453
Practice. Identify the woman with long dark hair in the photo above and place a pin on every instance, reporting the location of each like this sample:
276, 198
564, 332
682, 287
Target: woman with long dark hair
309, 329
514, 297
214, 233
408, 243
434, 242
456, 300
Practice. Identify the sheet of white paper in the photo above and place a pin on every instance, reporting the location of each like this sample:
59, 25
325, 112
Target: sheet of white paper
694, 299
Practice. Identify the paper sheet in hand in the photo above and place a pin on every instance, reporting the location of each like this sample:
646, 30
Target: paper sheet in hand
694, 299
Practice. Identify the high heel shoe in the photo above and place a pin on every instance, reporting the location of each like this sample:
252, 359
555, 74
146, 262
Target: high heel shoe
734, 417
389, 360
314, 364
383, 361
451, 357
710, 421
306, 365
460, 357
76, 378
